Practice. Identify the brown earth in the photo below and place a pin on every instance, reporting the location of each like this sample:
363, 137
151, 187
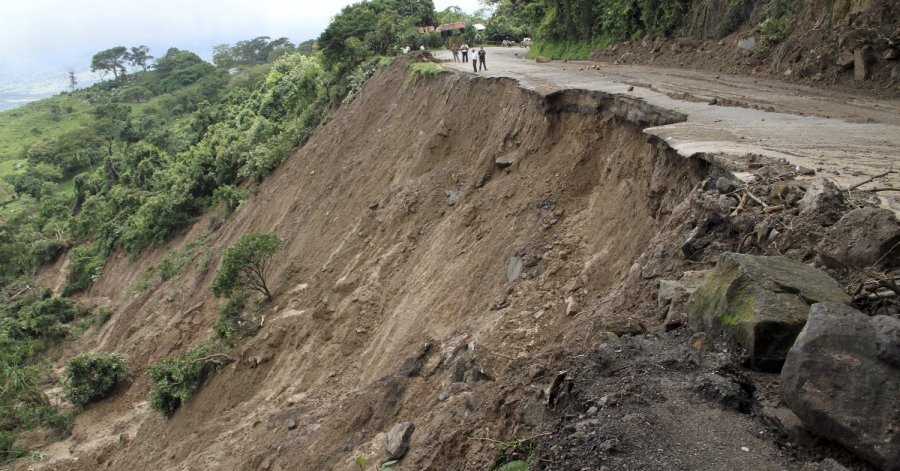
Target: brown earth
405, 219
819, 50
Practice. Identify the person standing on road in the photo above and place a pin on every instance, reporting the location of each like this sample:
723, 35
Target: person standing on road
474, 62
464, 49
455, 53
481, 54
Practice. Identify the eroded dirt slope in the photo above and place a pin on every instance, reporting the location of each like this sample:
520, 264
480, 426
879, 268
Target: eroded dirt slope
401, 221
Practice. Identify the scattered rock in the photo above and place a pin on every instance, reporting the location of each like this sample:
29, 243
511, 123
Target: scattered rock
667, 290
700, 341
572, 306
514, 269
505, 161
534, 411
801, 170
542, 59
452, 197
677, 312
889, 54
829, 464
299, 288
291, 424
761, 303
844, 59
787, 192
790, 426
747, 44
725, 185
861, 60
609, 446
727, 203
861, 238
398, 440
820, 194
729, 390
842, 378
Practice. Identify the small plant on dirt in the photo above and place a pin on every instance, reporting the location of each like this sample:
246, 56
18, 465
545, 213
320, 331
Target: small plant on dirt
424, 69
773, 31
245, 265
231, 324
175, 379
360, 462
90, 377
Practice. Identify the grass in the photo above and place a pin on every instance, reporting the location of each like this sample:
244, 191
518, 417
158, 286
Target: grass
428, 69
47, 118
578, 50
424, 69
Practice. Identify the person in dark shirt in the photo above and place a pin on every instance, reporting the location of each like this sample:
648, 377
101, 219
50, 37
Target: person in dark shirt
481, 55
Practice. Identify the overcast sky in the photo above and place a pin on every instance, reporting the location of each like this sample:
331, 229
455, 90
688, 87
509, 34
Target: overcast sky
47, 35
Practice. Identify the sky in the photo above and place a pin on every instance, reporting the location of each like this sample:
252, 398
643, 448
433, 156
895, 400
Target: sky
39, 37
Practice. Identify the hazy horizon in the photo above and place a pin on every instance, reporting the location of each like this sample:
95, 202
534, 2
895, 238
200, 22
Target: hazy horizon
43, 39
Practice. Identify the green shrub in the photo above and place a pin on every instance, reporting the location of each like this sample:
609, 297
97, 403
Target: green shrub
48, 318
175, 379
772, 32
85, 267
89, 377
568, 50
231, 324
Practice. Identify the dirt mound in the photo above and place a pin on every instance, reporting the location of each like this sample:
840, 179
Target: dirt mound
450, 243
845, 45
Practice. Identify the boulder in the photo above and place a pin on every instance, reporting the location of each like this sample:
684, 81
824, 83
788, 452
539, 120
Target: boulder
761, 303
844, 59
842, 379
747, 44
398, 440
861, 238
820, 195
861, 59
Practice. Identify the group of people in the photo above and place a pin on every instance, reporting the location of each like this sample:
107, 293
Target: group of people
478, 57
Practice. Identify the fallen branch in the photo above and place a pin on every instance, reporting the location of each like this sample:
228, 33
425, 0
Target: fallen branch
216, 358
876, 190
754, 198
873, 178
740, 207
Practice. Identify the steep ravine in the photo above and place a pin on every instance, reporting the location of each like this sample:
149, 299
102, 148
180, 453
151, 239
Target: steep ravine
405, 216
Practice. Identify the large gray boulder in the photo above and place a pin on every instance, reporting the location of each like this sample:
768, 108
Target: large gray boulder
398, 440
761, 303
862, 237
842, 378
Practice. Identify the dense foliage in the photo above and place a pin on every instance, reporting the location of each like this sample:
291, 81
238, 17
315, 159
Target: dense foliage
90, 377
572, 27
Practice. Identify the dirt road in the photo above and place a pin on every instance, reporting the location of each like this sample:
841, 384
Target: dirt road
841, 136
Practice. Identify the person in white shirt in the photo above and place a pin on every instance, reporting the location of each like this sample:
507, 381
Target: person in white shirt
464, 49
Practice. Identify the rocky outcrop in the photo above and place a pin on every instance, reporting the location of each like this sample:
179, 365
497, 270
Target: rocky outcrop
842, 378
761, 303
863, 237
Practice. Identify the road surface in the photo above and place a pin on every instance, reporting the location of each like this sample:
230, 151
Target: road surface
843, 136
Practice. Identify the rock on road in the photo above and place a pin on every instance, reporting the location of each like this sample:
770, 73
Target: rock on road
844, 137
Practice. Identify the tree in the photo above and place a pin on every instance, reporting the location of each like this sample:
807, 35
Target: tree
110, 60
73, 82
139, 57
245, 265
